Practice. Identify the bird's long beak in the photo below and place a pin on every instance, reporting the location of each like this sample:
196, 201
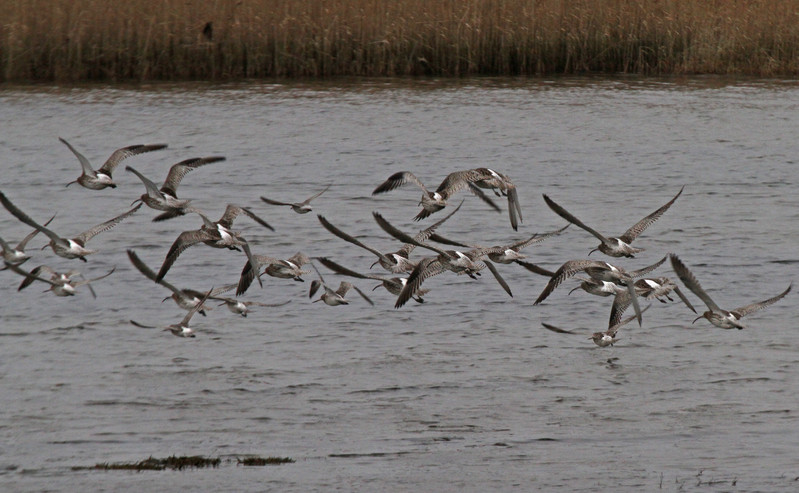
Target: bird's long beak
592, 251
697, 318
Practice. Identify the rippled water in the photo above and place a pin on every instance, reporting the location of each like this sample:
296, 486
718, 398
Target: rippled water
465, 392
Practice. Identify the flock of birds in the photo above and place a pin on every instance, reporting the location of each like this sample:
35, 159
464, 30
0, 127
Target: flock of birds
405, 276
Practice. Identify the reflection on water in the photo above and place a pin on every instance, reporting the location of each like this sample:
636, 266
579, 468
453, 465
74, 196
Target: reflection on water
464, 392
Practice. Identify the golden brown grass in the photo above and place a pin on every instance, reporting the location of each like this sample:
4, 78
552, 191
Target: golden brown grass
69, 40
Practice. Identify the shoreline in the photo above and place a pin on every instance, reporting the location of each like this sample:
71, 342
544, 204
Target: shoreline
149, 40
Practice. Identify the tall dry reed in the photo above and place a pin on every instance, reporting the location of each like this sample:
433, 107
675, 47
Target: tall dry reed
70, 40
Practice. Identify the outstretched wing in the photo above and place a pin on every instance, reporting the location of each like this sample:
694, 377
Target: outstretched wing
644, 223
250, 271
274, 202
120, 154
27, 220
557, 329
179, 170
429, 233
309, 199
564, 272
344, 236
149, 185
90, 233
498, 277
397, 180
647, 269
401, 236
150, 274
22, 244
195, 308
573, 219
690, 281
745, 310
85, 164
425, 269
183, 241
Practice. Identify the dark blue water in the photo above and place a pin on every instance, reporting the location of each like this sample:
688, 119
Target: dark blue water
466, 392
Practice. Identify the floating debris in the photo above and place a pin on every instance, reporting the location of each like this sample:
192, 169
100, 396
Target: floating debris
153, 464
265, 461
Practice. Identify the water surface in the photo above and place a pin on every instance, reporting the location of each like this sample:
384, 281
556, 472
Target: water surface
466, 392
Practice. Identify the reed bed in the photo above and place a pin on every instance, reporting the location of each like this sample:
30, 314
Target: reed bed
73, 40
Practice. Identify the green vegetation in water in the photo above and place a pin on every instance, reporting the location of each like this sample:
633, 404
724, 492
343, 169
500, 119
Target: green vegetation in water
153, 464
140, 40
264, 461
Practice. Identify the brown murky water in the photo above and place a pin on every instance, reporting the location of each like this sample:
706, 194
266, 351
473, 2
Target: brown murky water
466, 392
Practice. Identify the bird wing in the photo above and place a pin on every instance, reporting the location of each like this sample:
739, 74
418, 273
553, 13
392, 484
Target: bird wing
690, 281
460, 180
85, 164
401, 236
30, 222
274, 202
120, 154
231, 213
536, 238
426, 268
31, 276
195, 308
22, 244
557, 329
427, 233
299, 259
535, 269
309, 199
223, 289
344, 236
340, 269
88, 282
644, 223
249, 272
573, 219
514, 208
498, 277
745, 310
183, 241
247, 212
647, 269
397, 180
150, 274
179, 170
615, 327
245, 245
684, 299
564, 272
149, 185
27, 220
94, 231
485, 198
363, 295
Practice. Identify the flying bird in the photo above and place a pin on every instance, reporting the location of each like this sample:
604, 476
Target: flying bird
303, 207
100, 179
435, 201
166, 198
67, 247
614, 246
718, 316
